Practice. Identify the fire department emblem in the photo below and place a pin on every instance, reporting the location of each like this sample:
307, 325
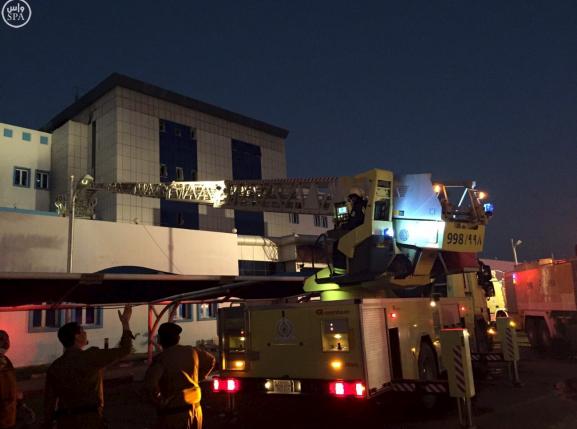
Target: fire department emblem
284, 330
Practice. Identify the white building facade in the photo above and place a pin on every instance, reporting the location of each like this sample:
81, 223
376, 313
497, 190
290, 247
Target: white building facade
129, 131
24, 168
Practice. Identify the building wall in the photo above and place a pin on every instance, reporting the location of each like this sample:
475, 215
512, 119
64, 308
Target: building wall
33, 155
35, 243
31, 243
127, 150
39, 348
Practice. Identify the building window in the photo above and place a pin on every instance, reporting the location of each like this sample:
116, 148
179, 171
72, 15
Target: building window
184, 313
321, 221
179, 219
88, 317
7, 132
42, 179
43, 139
162, 126
206, 311
163, 170
294, 218
50, 320
177, 132
192, 134
26, 136
46, 320
193, 175
179, 174
22, 177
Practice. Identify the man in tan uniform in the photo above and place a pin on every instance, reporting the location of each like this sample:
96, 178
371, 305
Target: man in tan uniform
73, 394
172, 379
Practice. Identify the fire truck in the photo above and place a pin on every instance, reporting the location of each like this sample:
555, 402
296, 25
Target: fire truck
542, 297
411, 271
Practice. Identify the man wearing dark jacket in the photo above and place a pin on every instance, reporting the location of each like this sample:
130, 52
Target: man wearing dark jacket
74, 395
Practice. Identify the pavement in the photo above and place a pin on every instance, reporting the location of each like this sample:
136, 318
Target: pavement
547, 399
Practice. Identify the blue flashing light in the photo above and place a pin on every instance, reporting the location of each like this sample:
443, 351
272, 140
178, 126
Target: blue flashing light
389, 232
488, 207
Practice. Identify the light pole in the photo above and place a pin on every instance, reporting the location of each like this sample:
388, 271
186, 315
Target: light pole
73, 191
514, 245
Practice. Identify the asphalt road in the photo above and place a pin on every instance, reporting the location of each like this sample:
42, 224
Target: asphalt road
546, 400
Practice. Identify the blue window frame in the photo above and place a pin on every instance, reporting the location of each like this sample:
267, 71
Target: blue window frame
206, 311
21, 177
184, 313
42, 180
43, 139
46, 320
26, 136
7, 132
51, 320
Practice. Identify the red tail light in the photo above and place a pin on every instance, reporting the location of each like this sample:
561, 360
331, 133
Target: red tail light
341, 389
229, 385
232, 385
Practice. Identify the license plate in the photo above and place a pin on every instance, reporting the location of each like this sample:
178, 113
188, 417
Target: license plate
286, 387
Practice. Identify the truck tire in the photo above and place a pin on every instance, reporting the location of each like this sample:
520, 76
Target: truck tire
544, 335
531, 328
428, 371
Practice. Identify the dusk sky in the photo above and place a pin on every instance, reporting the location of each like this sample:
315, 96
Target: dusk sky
461, 89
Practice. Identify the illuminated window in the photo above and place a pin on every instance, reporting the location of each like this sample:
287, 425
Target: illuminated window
41, 181
206, 311
335, 334
22, 177
26, 136
7, 132
321, 221
294, 218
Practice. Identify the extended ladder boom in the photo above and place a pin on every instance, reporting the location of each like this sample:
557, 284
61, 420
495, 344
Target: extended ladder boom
304, 196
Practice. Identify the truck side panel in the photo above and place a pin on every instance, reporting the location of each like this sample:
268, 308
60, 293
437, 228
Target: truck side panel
292, 342
548, 287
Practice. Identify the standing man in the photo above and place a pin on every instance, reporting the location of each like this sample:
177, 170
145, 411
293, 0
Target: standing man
8, 388
172, 379
73, 395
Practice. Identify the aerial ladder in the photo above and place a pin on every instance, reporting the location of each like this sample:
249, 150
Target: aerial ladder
410, 223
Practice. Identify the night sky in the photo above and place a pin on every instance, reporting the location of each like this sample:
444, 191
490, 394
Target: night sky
462, 89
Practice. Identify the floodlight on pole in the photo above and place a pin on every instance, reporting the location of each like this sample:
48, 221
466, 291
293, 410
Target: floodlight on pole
85, 182
514, 245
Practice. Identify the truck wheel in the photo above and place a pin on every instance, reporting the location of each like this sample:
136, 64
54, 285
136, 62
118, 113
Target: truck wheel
544, 335
428, 371
531, 329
